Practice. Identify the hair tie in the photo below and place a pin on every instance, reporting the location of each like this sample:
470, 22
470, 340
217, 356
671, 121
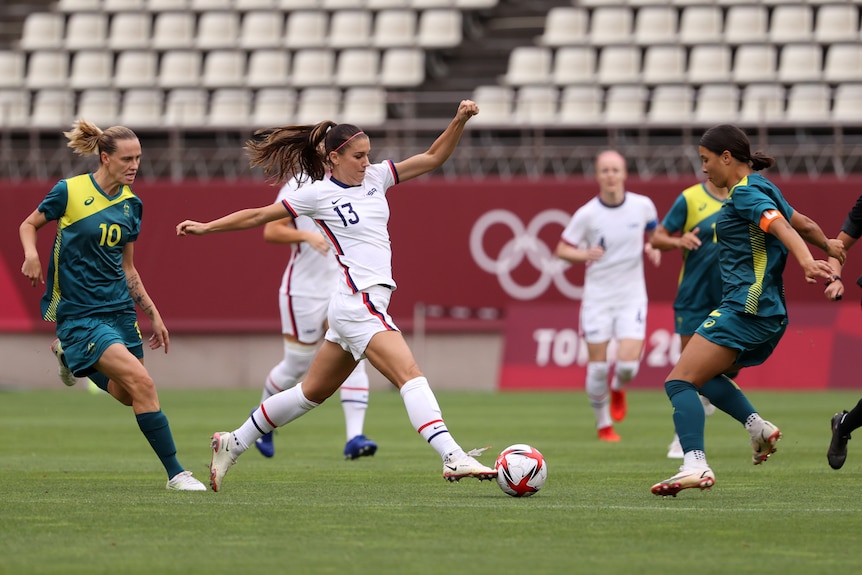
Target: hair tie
347, 140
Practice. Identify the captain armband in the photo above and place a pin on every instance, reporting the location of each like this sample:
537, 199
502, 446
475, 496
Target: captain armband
767, 217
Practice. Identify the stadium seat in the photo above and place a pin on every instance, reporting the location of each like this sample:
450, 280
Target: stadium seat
350, 29
426, 4
574, 65
142, 108
475, 4
261, 29
671, 104
180, 69
496, 103
100, 106
847, 106
268, 68
837, 23
52, 108
217, 30
716, 103
529, 65
42, 31
224, 69
791, 23
318, 104
625, 104
230, 107
800, 63
386, 4
395, 29
439, 29
112, 6
86, 30
91, 69
762, 103
402, 67
173, 30
157, 6
664, 64
619, 65
249, 5
581, 105
313, 68
336, 5
611, 25
274, 107
130, 31
357, 67
746, 24
291, 5
364, 107
47, 69
11, 69
709, 63
700, 25
656, 25
536, 105
186, 107
809, 103
136, 69
306, 29
205, 6
843, 63
72, 6
14, 108
754, 63
565, 26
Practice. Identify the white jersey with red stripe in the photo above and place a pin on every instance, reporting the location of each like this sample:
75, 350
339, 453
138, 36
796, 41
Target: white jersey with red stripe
308, 273
355, 219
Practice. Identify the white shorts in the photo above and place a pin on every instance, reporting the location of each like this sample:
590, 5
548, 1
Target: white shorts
303, 317
355, 318
599, 324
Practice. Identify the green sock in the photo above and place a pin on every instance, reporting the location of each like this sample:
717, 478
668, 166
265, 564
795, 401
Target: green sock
688, 417
155, 427
724, 394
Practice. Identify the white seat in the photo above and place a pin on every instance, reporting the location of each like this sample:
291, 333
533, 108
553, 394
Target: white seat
47, 69
100, 106
843, 63
619, 65
142, 107
536, 105
124, 5
581, 105
335, 5
157, 6
791, 23
70, 6
11, 69
837, 23
317, 105
809, 103
671, 104
130, 31
173, 30
306, 29
664, 64
364, 107
386, 4
261, 29
440, 29
395, 29
206, 5
496, 104
186, 107
357, 67
574, 65
709, 63
847, 106
656, 25
217, 30
91, 69
42, 31
762, 103
268, 68
701, 25
86, 30
52, 108
746, 24
565, 26
313, 68
717, 103
402, 67
291, 5
529, 65
625, 104
611, 25
136, 69
476, 4
273, 107
180, 69
754, 63
350, 29
249, 5
426, 4
14, 108
224, 69
230, 107
800, 63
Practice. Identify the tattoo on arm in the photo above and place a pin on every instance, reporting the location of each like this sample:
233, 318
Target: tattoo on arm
139, 295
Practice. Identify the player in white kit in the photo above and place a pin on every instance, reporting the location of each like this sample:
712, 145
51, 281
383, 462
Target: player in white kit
352, 210
309, 280
608, 235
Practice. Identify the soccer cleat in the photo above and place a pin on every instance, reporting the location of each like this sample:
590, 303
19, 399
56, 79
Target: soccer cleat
838, 446
359, 446
608, 434
467, 466
674, 450
618, 405
184, 481
763, 442
222, 458
702, 478
264, 443
66, 375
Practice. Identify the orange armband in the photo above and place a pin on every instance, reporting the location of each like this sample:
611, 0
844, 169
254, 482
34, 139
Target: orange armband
767, 218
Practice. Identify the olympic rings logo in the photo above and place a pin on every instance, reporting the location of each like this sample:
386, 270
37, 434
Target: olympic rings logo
525, 243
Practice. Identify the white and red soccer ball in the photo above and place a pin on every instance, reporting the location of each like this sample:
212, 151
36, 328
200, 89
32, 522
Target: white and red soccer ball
521, 470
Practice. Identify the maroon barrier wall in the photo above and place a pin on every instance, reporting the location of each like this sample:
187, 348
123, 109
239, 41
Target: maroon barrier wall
453, 246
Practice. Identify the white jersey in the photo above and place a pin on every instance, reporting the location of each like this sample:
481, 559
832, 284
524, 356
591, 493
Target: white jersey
618, 276
308, 273
355, 219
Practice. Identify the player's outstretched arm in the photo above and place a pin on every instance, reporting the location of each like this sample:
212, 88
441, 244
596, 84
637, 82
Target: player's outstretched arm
240, 220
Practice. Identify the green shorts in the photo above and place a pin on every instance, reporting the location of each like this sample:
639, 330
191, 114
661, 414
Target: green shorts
85, 339
686, 321
755, 337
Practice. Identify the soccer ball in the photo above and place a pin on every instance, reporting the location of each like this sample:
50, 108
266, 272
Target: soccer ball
521, 470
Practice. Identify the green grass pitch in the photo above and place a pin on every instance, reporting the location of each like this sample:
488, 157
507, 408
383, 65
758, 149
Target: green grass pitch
81, 492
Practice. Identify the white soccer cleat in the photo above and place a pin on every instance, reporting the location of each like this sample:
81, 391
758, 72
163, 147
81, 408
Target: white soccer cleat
674, 450
702, 478
184, 482
222, 458
66, 375
763, 440
467, 466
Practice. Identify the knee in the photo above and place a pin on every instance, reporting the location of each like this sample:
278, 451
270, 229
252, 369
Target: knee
626, 370
674, 386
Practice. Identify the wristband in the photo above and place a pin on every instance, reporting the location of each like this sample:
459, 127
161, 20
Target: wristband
834, 278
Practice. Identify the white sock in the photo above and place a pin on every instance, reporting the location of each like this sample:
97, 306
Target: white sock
624, 372
426, 416
290, 370
278, 410
694, 460
354, 400
597, 392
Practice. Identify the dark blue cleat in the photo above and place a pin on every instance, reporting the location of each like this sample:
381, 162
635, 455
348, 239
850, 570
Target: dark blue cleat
359, 446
